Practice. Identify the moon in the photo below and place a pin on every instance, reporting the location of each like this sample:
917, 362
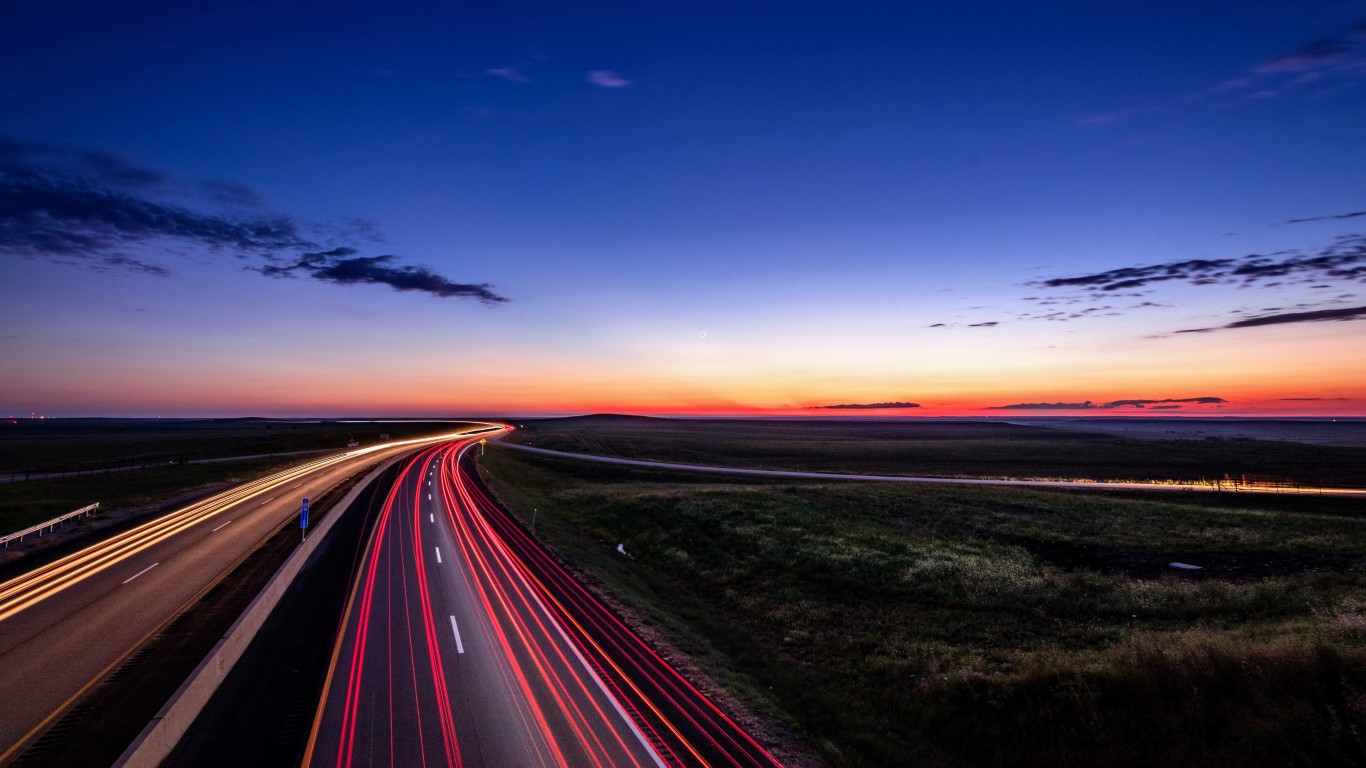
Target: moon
704, 334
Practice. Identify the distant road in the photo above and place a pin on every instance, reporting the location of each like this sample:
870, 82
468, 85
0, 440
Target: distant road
1096, 486
66, 624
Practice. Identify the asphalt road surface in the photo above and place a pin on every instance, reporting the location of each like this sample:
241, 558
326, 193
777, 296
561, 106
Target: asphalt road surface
449, 658
65, 625
460, 648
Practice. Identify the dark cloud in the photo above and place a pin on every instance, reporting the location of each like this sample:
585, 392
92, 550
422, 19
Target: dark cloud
1343, 260
1315, 316
231, 193
1044, 406
1168, 402
1144, 403
91, 205
1331, 217
1166, 407
865, 406
97, 210
1311, 399
343, 266
990, 324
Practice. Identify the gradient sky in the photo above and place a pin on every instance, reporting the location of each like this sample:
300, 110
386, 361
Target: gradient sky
702, 207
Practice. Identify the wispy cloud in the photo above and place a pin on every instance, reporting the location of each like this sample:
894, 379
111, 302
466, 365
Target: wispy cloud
987, 324
1319, 62
1335, 314
70, 204
1343, 260
1118, 115
865, 406
510, 74
1330, 217
606, 78
100, 211
343, 266
1088, 405
1044, 406
1312, 399
1318, 66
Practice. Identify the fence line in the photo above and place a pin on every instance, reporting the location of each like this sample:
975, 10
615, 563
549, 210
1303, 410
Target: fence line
50, 524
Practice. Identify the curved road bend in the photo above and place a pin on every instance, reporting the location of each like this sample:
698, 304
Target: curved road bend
448, 658
466, 645
1095, 486
64, 625
685, 727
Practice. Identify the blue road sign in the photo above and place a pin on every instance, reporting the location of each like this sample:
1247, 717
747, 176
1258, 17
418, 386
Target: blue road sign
303, 515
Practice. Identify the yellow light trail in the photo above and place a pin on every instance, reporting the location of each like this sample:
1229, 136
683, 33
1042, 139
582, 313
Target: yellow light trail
24, 591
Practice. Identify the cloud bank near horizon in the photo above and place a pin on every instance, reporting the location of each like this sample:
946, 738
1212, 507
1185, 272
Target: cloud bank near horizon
1088, 405
864, 406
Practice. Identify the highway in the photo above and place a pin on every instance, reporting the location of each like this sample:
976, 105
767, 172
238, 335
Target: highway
64, 626
464, 644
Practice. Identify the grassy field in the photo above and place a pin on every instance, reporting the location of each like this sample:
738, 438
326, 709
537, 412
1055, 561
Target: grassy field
948, 449
894, 625
69, 445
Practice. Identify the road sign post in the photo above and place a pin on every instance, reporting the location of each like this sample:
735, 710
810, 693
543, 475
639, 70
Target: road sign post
482, 443
303, 521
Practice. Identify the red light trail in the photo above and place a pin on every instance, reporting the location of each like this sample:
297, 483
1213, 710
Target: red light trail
534, 670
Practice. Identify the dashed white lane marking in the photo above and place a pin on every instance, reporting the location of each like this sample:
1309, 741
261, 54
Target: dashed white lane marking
438, 555
459, 647
221, 527
139, 573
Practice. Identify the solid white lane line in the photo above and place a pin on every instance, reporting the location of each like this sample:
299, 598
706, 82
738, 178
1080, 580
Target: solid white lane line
438, 555
139, 573
459, 647
221, 527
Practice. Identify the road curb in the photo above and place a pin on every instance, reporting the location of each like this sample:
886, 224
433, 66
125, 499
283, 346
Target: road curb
161, 735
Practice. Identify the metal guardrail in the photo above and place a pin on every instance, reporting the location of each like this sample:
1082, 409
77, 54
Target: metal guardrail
48, 525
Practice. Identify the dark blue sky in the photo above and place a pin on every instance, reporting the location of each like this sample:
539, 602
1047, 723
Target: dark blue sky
856, 200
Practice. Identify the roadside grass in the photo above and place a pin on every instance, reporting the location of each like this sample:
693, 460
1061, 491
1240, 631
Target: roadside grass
27, 503
947, 449
946, 625
94, 443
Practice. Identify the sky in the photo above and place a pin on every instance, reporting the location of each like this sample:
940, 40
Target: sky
789, 209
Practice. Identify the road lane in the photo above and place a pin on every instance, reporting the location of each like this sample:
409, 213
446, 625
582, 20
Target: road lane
682, 724
453, 660
535, 671
65, 625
